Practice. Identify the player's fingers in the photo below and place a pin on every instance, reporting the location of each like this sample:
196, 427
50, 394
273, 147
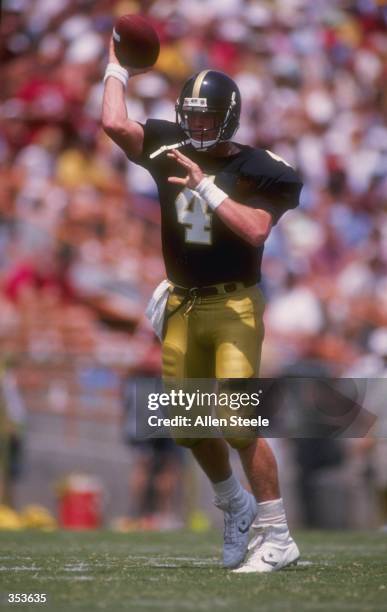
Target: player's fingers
181, 156
186, 163
177, 180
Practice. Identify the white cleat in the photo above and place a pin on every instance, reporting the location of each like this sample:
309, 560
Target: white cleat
238, 518
271, 550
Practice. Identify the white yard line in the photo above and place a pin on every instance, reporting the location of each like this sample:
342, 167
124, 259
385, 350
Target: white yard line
19, 568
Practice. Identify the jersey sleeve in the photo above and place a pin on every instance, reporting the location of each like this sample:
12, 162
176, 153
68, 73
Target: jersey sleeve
275, 190
157, 133
152, 141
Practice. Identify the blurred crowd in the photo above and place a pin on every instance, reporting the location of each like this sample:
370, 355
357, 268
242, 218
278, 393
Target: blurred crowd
79, 225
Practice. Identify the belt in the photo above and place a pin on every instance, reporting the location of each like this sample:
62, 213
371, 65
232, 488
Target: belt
192, 292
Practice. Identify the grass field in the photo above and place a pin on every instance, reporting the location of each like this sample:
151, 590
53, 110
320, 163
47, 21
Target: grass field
180, 572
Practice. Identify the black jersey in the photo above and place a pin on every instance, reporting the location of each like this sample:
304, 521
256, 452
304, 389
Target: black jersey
198, 248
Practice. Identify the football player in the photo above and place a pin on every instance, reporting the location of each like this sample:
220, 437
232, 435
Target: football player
219, 200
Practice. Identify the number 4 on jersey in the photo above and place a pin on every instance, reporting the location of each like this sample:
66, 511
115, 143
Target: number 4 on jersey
193, 214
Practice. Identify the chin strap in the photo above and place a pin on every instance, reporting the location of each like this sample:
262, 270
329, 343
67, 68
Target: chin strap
198, 144
164, 148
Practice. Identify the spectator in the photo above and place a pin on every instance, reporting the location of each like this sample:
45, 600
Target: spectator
155, 485
12, 422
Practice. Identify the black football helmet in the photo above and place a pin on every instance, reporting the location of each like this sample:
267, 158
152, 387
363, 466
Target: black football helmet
215, 94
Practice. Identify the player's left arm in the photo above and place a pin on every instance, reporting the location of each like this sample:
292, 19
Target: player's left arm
252, 224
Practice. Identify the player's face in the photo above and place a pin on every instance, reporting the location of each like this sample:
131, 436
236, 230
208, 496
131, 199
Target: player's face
204, 123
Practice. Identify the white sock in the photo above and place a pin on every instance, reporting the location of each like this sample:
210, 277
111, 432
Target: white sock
271, 513
228, 489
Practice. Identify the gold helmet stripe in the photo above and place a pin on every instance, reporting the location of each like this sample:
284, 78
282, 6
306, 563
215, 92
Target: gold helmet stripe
198, 83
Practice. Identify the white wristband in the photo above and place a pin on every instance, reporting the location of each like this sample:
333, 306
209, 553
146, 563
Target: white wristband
117, 72
210, 193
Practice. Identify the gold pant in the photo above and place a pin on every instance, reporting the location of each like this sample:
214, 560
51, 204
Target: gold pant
219, 337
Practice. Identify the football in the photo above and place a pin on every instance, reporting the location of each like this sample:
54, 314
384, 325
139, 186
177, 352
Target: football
136, 43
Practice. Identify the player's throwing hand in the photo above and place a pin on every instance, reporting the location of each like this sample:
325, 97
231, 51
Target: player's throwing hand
194, 173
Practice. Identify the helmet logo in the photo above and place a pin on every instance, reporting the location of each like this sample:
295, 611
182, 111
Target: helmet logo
195, 102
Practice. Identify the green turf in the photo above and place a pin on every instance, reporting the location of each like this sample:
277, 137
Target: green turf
180, 572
